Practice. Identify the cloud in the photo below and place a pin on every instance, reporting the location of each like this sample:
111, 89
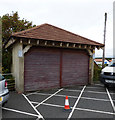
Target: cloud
83, 17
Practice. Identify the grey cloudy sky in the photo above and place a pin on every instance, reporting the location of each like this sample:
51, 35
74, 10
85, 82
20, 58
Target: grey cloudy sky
83, 17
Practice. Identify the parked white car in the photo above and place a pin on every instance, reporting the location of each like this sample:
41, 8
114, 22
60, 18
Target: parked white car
4, 92
108, 74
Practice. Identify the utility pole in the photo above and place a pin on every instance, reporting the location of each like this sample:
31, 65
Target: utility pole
104, 40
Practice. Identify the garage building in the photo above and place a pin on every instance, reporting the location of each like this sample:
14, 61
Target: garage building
46, 57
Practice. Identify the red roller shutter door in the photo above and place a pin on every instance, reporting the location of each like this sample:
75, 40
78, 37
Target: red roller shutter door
74, 67
41, 69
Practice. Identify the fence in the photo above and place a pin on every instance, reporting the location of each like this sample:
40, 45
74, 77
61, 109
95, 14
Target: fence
10, 81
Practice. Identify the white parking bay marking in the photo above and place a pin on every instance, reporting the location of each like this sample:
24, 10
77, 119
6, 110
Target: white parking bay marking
76, 103
90, 91
30, 94
72, 90
110, 99
47, 104
45, 94
96, 111
48, 98
93, 87
99, 85
96, 99
26, 113
74, 97
39, 115
81, 109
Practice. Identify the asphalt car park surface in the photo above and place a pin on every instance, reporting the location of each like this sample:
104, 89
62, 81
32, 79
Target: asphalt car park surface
94, 101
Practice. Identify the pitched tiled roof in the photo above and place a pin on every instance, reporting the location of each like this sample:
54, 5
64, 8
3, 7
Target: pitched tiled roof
50, 32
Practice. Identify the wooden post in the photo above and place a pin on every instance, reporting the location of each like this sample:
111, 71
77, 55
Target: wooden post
45, 42
61, 44
53, 43
67, 44
29, 41
38, 42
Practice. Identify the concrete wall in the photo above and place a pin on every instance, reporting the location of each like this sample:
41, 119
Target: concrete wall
18, 67
91, 66
91, 69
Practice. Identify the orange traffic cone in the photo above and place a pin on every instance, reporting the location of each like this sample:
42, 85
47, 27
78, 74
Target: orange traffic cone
67, 103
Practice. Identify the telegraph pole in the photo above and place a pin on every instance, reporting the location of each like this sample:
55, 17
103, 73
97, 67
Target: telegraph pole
104, 40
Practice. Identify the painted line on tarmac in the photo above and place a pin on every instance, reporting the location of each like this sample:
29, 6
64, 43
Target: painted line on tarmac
71, 90
30, 94
17, 111
37, 93
93, 87
54, 95
90, 91
110, 99
88, 98
95, 92
39, 115
70, 115
99, 85
48, 98
53, 105
58, 95
97, 111
82, 109
85, 91
96, 99
112, 93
